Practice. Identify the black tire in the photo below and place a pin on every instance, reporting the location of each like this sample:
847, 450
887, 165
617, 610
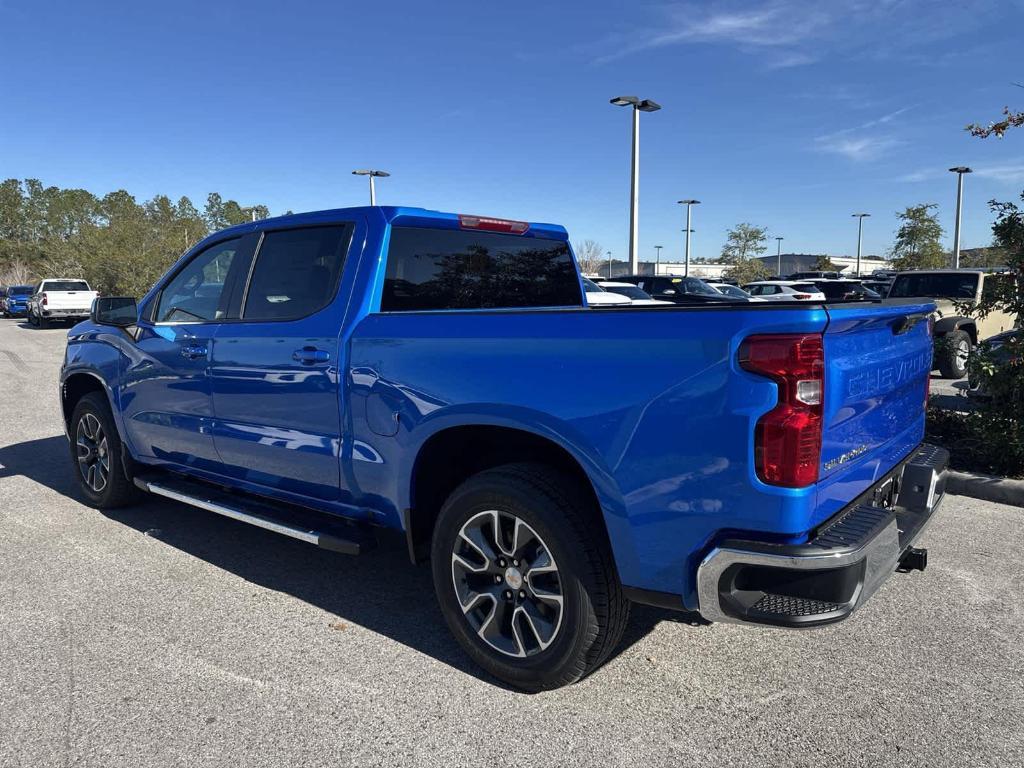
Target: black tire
93, 412
30, 317
42, 322
593, 611
956, 345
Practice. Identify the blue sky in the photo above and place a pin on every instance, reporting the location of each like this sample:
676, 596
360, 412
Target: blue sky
784, 113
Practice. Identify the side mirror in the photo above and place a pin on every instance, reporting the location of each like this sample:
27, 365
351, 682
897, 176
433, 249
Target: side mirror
119, 311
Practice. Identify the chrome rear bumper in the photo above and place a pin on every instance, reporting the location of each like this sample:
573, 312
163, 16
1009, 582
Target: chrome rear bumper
843, 564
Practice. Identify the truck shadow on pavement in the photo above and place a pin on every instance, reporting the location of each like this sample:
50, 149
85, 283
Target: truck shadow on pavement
381, 590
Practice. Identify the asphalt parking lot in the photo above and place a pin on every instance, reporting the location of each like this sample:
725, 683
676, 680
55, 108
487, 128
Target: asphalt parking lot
163, 636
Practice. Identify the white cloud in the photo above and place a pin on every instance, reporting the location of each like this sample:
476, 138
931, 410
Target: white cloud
1011, 173
789, 33
860, 142
857, 148
1004, 173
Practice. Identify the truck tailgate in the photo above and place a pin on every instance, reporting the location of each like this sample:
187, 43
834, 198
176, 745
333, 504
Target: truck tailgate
62, 300
878, 359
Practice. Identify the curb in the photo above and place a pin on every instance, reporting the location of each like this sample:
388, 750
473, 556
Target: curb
1002, 490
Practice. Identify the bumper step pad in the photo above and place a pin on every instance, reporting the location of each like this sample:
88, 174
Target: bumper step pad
842, 564
783, 605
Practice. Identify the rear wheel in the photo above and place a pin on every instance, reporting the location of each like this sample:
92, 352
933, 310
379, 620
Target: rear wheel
96, 455
956, 348
525, 582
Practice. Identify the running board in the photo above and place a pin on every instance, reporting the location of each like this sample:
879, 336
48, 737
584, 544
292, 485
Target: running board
296, 522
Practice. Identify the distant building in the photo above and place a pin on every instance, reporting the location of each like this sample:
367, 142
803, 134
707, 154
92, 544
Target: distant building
696, 269
804, 262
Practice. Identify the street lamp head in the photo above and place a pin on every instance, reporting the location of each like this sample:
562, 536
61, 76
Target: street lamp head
860, 215
370, 172
780, 237
648, 106
689, 202
961, 169
624, 101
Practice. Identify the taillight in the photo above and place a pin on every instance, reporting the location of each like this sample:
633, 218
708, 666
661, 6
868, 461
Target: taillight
801, 295
787, 439
493, 225
43, 302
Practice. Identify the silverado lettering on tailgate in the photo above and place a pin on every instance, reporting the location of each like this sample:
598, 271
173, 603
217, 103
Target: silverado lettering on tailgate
884, 378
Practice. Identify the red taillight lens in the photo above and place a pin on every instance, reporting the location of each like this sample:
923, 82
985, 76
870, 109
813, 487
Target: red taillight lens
43, 302
801, 295
787, 440
493, 225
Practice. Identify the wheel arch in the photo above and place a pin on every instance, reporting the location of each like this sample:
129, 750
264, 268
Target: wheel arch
948, 324
76, 385
453, 452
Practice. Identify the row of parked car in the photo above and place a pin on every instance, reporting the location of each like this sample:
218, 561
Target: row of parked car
953, 291
673, 289
48, 300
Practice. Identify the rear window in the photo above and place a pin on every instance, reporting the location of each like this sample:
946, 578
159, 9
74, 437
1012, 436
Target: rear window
430, 269
805, 288
19, 290
65, 285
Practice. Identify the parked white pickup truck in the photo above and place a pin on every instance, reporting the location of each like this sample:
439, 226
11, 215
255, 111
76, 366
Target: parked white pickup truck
60, 299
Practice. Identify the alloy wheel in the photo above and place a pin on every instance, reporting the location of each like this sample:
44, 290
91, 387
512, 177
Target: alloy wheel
962, 352
507, 583
93, 454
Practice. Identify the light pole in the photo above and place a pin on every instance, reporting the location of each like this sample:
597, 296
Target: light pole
688, 204
960, 170
778, 253
860, 234
373, 174
657, 259
638, 105
609, 265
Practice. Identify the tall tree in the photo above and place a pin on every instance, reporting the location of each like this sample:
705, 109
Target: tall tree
743, 243
11, 214
918, 239
824, 264
590, 256
214, 213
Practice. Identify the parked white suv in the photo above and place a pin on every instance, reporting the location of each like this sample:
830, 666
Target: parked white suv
784, 290
60, 299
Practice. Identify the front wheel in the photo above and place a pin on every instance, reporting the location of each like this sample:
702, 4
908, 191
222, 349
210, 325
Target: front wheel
524, 578
956, 348
96, 455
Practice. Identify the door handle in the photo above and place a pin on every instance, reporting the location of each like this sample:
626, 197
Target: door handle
193, 351
311, 355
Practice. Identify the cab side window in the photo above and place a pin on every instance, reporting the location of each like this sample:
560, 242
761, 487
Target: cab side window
296, 272
196, 293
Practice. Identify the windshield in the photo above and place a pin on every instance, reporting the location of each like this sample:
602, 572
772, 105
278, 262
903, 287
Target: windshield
65, 285
938, 285
732, 290
591, 287
19, 290
627, 290
693, 285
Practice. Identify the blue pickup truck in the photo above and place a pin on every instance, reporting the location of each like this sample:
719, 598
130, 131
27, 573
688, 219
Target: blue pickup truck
331, 375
